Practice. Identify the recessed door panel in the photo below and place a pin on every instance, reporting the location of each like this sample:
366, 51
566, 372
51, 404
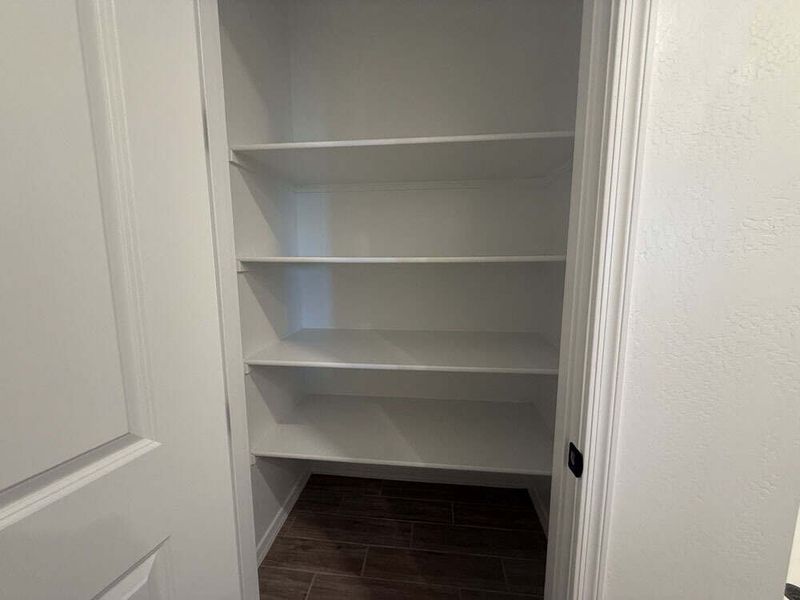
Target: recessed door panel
140, 583
60, 374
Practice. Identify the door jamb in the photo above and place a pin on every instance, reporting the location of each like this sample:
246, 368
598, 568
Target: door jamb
216, 134
616, 48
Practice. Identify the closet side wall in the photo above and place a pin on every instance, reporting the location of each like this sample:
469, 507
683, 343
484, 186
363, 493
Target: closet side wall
254, 37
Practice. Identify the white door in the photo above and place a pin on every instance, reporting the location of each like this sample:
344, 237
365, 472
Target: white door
114, 464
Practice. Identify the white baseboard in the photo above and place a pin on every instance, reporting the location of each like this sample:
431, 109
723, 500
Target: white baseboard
266, 541
540, 496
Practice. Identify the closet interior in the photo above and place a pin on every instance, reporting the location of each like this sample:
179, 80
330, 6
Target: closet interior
400, 186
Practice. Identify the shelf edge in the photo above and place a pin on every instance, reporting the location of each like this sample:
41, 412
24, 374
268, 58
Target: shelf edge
395, 367
518, 259
408, 141
258, 451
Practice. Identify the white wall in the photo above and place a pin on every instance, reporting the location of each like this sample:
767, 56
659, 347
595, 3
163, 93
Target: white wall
708, 478
275, 483
383, 68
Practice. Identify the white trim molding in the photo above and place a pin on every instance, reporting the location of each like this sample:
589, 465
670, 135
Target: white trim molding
266, 541
616, 46
216, 133
106, 90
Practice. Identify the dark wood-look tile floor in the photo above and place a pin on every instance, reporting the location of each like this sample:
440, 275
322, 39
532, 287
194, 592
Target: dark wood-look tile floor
349, 538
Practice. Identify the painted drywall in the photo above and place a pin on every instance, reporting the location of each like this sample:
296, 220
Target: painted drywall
275, 486
708, 465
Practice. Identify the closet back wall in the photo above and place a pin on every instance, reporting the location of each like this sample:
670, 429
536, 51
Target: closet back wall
307, 70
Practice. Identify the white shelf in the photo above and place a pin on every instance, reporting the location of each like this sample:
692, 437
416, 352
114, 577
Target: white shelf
356, 260
478, 436
451, 351
454, 158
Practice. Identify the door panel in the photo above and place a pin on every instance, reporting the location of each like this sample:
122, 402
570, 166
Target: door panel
114, 458
140, 583
60, 374
90, 527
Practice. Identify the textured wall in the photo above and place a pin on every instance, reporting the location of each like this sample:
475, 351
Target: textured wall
708, 479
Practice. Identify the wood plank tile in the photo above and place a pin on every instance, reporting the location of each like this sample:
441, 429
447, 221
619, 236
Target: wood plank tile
435, 568
330, 587
316, 556
318, 500
513, 543
349, 485
288, 522
396, 508
473, 595
283, 584
477, 515
497, 548
358, 530
525, 576
457, 493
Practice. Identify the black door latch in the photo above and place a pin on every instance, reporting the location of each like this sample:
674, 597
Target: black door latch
575, 460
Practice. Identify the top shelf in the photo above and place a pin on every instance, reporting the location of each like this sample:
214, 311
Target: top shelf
452, 158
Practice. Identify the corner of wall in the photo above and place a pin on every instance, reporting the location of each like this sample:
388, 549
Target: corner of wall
539, 491
276, 486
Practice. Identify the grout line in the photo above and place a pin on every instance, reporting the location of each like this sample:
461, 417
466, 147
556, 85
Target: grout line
354, 515
442, 586
496, 505
417, 521
382, 493
406, 548
310, 539
455, 587
311, 571
310, 585
400, 496
505, 577
364, 564
439, 586
511, 595
519, 507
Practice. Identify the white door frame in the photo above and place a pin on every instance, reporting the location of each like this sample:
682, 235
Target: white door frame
615, 46
217, 155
